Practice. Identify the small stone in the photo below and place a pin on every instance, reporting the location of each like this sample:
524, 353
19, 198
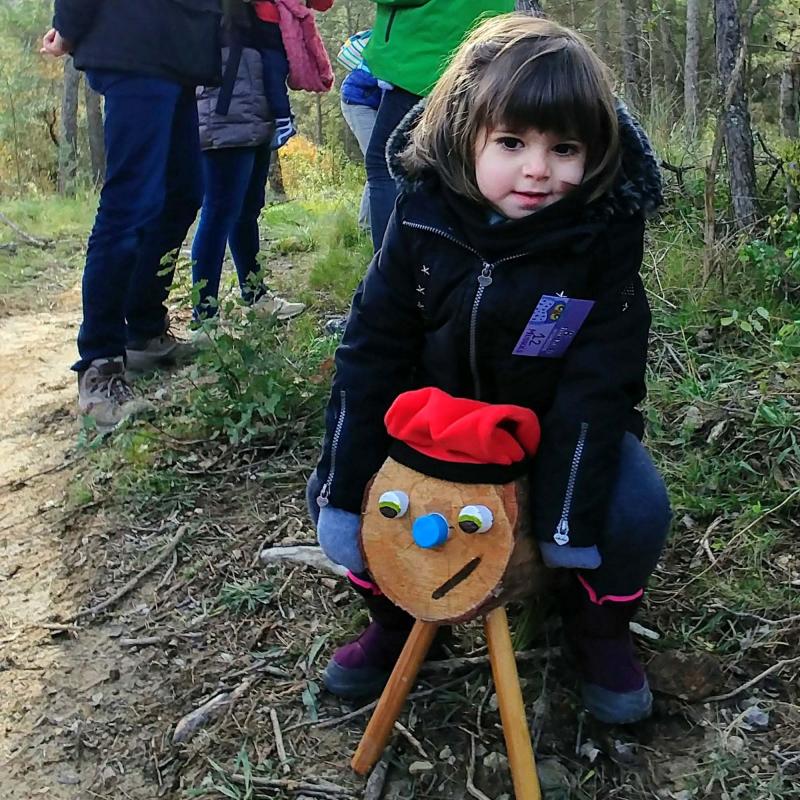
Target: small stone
495, 761
68, 777
445, 753
624, 752
555, 779
735, 745
755, 719
417, 767
693, 419
589, 750
690, 676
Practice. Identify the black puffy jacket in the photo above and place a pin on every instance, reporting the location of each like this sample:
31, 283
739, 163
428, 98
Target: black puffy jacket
174, 39
444, 303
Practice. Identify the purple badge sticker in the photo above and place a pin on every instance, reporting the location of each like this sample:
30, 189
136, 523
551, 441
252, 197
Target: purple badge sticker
553, 326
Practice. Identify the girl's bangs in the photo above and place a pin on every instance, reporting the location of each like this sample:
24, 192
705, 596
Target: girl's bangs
550, 91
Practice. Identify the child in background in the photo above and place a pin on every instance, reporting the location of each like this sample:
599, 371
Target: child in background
360, 97
524, 191
276, 64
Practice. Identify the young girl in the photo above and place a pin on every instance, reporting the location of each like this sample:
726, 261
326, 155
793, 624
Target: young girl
524, 195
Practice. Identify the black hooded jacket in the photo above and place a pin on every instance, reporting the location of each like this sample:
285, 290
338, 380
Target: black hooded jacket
174, 39
444, 303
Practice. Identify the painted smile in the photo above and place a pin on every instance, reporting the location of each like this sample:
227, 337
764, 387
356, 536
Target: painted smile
459, 577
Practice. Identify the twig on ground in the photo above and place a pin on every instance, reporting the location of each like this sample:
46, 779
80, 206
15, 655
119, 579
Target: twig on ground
450, 664
472, 789
310, 556
412, 740
276, 730
26, 236
753, 681
321, 789
377, 778
165, 554
271, 537
209, 711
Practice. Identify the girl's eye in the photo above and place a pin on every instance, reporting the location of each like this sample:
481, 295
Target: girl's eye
509, 142
566, 149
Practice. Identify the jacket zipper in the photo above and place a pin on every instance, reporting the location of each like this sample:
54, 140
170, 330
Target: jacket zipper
561, 535
389, 24
484, 280
324, 492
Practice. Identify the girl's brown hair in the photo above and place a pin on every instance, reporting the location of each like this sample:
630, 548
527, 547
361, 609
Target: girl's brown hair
517, 72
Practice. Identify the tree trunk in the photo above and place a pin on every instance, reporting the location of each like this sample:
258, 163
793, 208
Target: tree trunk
68, 150
666, 60
691, 95
532, 7
790, 98
320, 131
737, 131
601, 44
94, 128
630, 53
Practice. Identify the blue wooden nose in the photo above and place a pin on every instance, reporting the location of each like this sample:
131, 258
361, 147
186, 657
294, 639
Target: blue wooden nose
430, 531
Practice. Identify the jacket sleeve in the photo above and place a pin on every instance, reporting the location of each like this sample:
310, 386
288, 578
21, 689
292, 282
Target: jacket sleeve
74, 18
601, 383
374, 363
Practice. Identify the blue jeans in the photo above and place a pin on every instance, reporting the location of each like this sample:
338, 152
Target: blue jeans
635, 529
149, 199
395, 104
276, 71
235, 190
361, 121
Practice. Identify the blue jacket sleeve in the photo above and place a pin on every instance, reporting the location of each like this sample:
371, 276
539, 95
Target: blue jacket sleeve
374, 363
601, 384
74, 18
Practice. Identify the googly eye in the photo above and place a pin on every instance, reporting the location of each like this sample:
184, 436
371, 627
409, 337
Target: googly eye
393, 504
475, 519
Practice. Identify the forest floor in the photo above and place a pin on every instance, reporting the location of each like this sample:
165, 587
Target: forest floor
129, 597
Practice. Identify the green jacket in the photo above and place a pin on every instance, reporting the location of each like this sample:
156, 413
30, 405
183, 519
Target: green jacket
413, 39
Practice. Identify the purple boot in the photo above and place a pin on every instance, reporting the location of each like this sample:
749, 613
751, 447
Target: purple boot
615, 688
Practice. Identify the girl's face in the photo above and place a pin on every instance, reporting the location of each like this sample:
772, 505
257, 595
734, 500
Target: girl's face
520, 172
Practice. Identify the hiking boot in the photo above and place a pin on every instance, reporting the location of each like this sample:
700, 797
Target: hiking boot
104, 395
362, 667
614, 685
166, 350
335, 326
273, 305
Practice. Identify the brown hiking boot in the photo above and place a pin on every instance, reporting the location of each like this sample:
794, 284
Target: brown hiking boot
160, 351
104, 395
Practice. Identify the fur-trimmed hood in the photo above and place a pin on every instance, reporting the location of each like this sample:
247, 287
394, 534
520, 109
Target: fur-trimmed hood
636, 190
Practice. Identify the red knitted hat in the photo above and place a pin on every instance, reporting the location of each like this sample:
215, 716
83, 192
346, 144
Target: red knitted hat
455, 438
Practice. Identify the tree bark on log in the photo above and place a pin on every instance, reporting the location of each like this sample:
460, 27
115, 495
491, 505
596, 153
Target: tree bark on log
68, 148
738, 134
532, 7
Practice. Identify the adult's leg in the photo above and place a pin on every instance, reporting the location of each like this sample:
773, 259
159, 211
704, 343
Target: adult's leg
226, 176
244, 237
395, 104
361, 121
138, 119
145, 310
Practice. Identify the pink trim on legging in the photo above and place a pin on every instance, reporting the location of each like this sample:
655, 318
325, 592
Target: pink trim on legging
368, 585
613, 598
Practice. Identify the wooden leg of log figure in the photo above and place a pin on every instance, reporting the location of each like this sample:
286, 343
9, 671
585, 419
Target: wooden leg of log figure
512, 709
379, 730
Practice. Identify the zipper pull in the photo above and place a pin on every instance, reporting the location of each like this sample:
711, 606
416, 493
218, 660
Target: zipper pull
322, 497
485, 278
561, 536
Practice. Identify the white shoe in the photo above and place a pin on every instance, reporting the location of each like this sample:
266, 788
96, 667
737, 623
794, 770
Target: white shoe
274, 305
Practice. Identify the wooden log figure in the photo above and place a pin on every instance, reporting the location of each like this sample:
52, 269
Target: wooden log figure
445, 535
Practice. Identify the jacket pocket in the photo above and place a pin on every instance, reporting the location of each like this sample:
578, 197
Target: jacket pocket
389, 24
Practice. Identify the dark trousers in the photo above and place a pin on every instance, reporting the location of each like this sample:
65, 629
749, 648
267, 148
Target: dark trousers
234, 181
149, 199
276, 71
633, 536
395, 104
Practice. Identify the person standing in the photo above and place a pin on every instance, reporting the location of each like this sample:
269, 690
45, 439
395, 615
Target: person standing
145, 58
410, 45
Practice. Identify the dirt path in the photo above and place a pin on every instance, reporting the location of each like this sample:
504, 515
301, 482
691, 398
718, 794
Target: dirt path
46, 677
